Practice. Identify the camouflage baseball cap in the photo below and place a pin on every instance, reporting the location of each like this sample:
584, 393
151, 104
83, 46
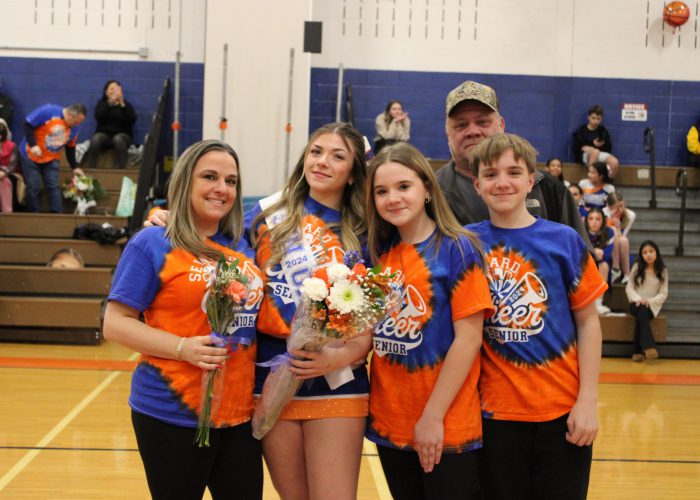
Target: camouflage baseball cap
471, 91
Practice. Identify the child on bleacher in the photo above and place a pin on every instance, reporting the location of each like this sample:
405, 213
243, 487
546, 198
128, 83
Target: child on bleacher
646, 291
577, 194
621, 219
541, 353
597, 186
8, 163
66, 258
602, 238
554, 166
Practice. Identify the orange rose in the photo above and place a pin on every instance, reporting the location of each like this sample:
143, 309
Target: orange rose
237, 291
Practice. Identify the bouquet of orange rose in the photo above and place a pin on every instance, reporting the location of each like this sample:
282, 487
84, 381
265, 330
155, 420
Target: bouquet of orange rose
225, 297
338, 302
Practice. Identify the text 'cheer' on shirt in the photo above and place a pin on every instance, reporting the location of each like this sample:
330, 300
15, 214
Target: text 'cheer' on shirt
440, 287
169, 285
538, 275
322, 246
51, 133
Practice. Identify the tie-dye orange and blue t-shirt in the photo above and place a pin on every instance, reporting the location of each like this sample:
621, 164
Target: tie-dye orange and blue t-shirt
168, 286
321, 232
51, 133
538, 275
441, 285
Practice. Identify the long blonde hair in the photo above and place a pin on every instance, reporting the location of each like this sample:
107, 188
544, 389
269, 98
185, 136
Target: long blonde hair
181, 227
295, 192
379, 231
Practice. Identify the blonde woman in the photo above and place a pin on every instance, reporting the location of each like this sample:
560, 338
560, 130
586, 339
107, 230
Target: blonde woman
163, 274
314, 449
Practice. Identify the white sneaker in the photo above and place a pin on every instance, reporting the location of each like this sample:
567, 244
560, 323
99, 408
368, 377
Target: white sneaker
625, 279
614, 275
602, 310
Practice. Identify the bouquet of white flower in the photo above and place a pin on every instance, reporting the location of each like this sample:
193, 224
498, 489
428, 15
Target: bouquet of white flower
339, 302
84, 190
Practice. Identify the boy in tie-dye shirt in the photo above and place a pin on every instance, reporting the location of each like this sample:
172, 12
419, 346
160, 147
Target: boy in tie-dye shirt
541, 352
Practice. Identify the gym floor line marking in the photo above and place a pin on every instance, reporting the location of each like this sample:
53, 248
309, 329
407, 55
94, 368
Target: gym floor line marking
59, 427
649, 378
647, 461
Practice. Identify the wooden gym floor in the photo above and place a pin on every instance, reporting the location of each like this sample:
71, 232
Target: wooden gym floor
65, 430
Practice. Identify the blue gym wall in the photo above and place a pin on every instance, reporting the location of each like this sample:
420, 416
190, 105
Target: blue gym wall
31, 82
545, 110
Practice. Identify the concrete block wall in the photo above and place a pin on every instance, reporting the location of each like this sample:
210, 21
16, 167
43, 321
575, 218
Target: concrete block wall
31, 82
544, 109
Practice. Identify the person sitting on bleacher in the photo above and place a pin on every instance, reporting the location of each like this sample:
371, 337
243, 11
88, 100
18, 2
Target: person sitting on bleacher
621, 219
8, 164
66, 258
555, 167
591, 142
115, 123
602, 238
47, 130
646, 291
596, 187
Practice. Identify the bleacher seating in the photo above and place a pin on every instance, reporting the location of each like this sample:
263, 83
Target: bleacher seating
52, 305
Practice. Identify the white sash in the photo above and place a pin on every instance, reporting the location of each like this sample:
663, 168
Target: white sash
297, 265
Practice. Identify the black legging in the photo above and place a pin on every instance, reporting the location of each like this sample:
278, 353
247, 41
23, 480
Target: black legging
456, 476
643, 338
177, 469
101, 141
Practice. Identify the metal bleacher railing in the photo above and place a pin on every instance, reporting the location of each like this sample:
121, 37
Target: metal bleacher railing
681, 190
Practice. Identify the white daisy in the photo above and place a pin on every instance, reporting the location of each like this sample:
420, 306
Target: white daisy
314, 288
346, 297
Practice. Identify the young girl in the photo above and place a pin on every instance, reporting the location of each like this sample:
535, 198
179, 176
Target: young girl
424, 405
603, 240
314, 450
621, 219
597, 186
8, 164
577, 194
554, 166
393, 125
646, 291
163, 274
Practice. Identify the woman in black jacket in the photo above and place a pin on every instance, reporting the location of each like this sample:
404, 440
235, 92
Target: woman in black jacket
115, 121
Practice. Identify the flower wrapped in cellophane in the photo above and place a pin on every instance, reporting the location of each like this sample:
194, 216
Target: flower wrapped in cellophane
225, 297
338, 302
84, 190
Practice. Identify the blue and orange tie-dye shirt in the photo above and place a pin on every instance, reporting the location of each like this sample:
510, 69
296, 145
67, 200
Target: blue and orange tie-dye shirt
441, 285
321, 231
538, 275
51, 133
168, 285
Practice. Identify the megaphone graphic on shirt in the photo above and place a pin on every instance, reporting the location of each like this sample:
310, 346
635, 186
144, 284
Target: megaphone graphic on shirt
529, 290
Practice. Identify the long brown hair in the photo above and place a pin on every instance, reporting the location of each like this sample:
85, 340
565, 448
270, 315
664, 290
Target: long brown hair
379, 231
181, 228
295, 192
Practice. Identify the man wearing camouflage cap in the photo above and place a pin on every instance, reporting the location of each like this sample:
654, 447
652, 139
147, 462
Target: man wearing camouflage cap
472, 116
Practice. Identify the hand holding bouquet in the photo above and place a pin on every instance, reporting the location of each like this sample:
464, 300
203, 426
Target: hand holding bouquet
339, 302
225, 297
84, 190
